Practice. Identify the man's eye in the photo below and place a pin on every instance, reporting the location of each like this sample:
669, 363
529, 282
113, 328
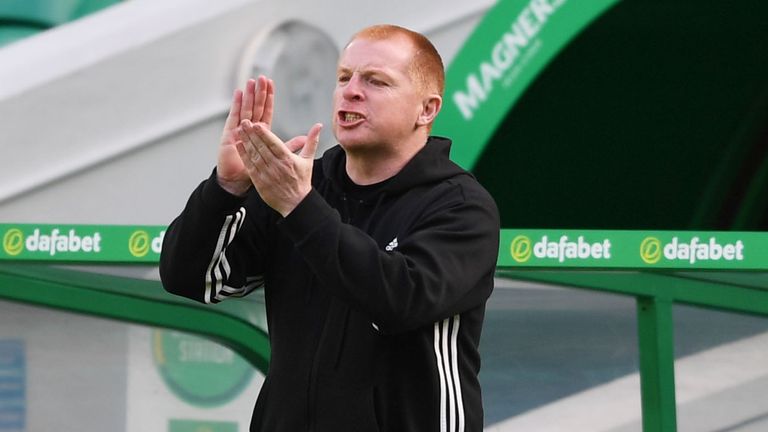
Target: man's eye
343, 78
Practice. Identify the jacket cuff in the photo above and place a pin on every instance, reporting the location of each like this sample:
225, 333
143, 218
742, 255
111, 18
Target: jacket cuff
215, 196
309, 216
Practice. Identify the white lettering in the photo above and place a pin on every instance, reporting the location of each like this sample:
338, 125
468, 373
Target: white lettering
515, 41
540, 248
729, 252
541, 10
563, 249
501, 56
75, 242
157, 242
696, 250
57, 242
504, 54
489, 74
467, 103
87, 244
529, 26
96, 242
33, 241
715, 250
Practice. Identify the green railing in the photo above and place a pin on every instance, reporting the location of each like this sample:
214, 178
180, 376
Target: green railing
29, 273
720, 270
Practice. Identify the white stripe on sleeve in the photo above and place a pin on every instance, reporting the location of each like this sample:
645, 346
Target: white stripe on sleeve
219, 269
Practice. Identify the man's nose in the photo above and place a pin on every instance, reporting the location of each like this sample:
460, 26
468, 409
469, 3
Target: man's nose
353, 89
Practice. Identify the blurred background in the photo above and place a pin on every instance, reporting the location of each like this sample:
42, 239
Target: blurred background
608, 114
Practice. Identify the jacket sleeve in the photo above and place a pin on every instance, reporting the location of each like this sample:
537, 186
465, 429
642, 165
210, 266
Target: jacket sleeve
210, 250
443, 266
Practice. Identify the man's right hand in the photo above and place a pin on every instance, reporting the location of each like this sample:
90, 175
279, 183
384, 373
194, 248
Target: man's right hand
256, 104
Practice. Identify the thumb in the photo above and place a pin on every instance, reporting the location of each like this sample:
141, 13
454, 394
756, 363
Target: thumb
313, 139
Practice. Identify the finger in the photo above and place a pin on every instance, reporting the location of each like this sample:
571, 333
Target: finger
260, 98
246, 108
250, 160
296, 144
260, 143
269, 104
249, 144
268, 142
313, 139
244, 138
244, 156
233, 118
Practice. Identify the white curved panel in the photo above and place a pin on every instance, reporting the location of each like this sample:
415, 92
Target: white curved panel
115, 117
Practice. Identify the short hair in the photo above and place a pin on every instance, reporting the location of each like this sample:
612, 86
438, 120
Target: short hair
427, 69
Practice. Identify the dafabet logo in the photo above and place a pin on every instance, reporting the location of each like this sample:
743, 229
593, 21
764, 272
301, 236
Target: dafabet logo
564, 249
520, 248
692, 251
650, 250
13, 241
139, 243
50, 243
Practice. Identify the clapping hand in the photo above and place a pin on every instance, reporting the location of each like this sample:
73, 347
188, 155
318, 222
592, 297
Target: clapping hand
254, 104
280, 172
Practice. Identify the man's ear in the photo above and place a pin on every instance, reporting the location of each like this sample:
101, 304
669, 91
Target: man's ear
429, 108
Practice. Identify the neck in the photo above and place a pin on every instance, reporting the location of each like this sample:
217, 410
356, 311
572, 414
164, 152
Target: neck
370, 167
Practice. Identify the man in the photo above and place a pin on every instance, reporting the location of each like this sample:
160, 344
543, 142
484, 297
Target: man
377, 259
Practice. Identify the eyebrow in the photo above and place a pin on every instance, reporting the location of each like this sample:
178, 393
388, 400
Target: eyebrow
365, 70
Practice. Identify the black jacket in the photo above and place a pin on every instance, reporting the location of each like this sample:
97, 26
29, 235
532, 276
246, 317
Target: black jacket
375, 295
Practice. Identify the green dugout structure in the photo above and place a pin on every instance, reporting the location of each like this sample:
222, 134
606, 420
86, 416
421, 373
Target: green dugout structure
655, 110
629, 138
720, 270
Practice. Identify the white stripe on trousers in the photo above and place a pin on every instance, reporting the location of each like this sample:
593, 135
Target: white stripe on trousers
446, 356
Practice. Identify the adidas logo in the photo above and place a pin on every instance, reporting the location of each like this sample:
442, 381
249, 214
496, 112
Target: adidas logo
392, 245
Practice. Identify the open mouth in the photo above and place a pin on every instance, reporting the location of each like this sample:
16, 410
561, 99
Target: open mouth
347, 118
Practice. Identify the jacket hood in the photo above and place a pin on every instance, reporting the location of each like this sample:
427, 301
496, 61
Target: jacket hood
430, 165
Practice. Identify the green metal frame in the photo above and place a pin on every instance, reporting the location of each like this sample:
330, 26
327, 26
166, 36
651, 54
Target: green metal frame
137, 301
655, 291
655, 294
657, 358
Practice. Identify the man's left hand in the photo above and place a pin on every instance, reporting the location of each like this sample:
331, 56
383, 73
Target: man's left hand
281, 177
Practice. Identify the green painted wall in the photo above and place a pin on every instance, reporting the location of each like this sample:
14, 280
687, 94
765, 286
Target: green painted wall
654, 117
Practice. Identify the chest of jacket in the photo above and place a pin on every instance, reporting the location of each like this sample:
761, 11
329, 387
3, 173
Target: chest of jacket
389, 218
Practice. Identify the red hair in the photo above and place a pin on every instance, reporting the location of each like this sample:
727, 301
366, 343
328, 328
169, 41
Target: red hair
427, 67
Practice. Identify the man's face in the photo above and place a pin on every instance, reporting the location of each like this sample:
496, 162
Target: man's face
376, 103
